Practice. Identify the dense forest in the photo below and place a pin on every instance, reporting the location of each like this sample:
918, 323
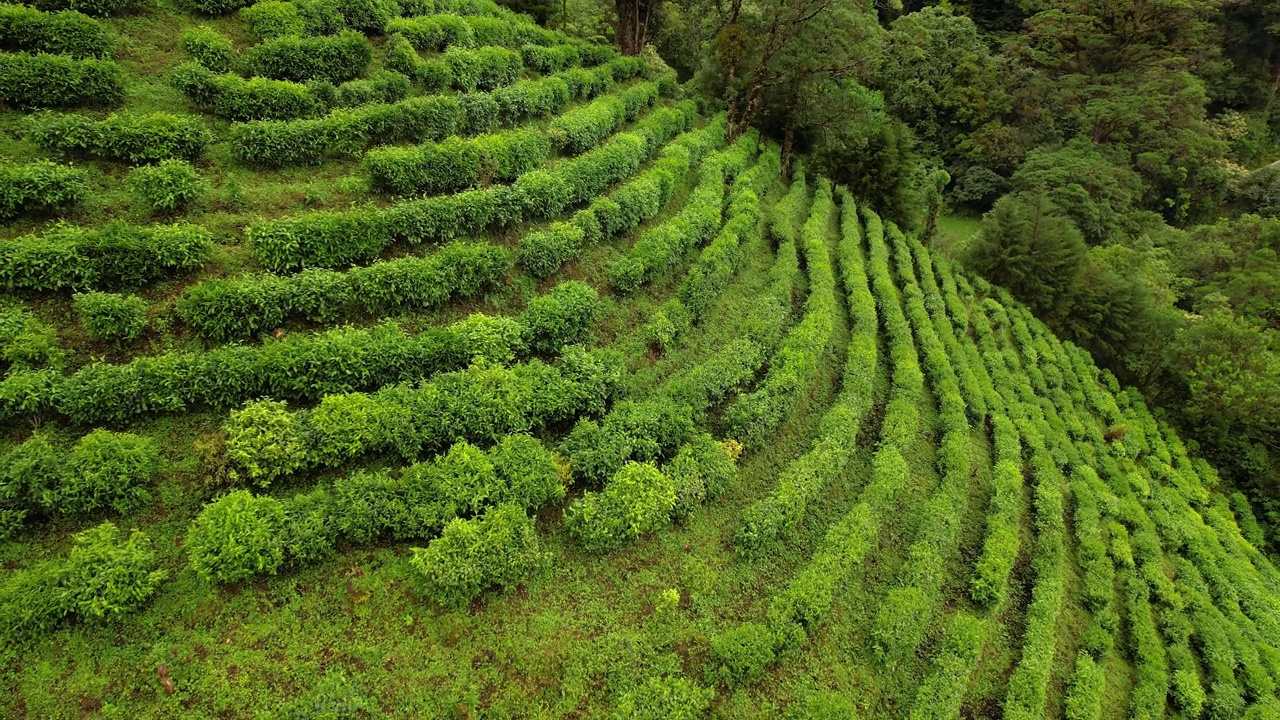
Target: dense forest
1123, 157
789, 359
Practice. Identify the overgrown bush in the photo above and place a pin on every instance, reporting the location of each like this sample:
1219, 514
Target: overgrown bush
40, 187
67, 33
26, 343
636, 500
167, 187
560, 317
208, 47
665, 698
44, 81
107, 469
264, 442
125, 137
741, 654
110, 316
237, 537
103, 577
498, 548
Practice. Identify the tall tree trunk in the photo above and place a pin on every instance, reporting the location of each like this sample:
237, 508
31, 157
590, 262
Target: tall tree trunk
629, 40
789, 134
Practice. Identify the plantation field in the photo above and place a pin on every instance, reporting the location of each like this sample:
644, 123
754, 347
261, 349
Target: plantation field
365, 361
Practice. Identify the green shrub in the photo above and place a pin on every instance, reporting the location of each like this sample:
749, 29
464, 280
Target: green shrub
40, 187
342, 426
264, 442
1000, 547
943, 691
25, 342
456, 164
125, 137
496, 340
109, 316
560, 317
167, 187
67, 33
208, 47
640, 431
215, 7
581, 128
68, 257
233, 97
43, 80
434, 33
367, 16
106, 576
741, 654
271, 19
383, 86
665, 698
701, 471
498, 548
237, 537
102, 578
552, 59
107, 469
636, 500
335, 58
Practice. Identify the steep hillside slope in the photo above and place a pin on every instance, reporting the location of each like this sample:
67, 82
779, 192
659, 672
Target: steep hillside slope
462, 369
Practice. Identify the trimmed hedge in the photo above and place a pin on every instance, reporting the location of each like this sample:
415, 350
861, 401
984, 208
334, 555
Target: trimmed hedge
235, 98
102, 578
660, 248
166, 187
581, 128
335, 58
116, 254
483, 401
335, 239
40, 187
108, 316
498, 548
67, 33
301, 367
431, 117
459, 68
43, 80
941, 695
224, 310
26, 343
208, 48
456, 164
124, 137
645, 431
756, 415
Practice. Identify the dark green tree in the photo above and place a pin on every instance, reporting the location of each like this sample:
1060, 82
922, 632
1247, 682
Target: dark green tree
1030, 248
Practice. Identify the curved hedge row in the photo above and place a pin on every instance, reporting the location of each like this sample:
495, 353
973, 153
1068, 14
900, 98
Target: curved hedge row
542, 252
103, 470
266, 442
123, 137
941, 695
67, 33
279, 143
75, 258
582, 128
660, 248
103, 577
747, 651
1000, 546
43, 80
440, 31
778, 514
334, 58
335, 239
456, 164
241, 535
756, 415
39, 187
301, 367
225, 310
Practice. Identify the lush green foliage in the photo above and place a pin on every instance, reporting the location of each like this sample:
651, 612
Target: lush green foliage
69, 33
166, 187
499, 548
209, 48
124, 137
456, 164
39, 187
110, 316
334, 58
44, 80
69, 257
